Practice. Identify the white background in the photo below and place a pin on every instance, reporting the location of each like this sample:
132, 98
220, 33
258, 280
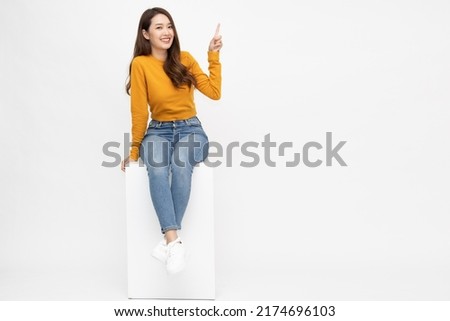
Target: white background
374, 73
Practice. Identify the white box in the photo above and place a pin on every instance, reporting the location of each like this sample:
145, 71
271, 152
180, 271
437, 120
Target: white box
147, 277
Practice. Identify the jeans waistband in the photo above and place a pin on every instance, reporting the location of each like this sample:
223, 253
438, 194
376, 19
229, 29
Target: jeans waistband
189, 121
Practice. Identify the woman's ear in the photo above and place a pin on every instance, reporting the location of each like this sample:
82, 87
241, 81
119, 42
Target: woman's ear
145, 34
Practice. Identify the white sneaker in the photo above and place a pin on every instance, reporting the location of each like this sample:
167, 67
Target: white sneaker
160, 251
176, 257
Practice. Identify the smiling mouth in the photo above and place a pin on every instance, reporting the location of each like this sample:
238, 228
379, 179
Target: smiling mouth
166, 39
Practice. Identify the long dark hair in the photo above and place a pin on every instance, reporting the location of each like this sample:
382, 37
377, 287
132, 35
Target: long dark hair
177, 72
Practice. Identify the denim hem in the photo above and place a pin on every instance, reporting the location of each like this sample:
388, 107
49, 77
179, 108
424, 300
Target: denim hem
173, 227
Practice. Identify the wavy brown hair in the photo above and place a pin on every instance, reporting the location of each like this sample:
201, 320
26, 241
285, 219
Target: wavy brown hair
177, 72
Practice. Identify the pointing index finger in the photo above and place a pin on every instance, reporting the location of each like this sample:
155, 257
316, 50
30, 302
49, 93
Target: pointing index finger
217, 30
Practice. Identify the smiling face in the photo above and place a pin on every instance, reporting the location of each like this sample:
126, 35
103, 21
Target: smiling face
160, 33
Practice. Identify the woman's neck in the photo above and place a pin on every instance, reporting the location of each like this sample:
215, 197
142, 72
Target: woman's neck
160, 54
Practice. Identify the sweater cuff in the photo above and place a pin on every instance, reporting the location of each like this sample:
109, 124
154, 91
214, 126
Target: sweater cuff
134, 153
213, 55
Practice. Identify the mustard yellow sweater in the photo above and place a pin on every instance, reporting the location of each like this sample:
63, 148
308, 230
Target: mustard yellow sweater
150, 86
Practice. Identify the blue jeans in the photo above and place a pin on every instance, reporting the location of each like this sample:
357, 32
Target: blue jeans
172, 147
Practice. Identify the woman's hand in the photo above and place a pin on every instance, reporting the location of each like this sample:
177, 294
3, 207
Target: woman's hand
125, 163
216, 42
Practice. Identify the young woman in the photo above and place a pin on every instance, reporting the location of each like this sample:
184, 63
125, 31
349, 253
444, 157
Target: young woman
163, 77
